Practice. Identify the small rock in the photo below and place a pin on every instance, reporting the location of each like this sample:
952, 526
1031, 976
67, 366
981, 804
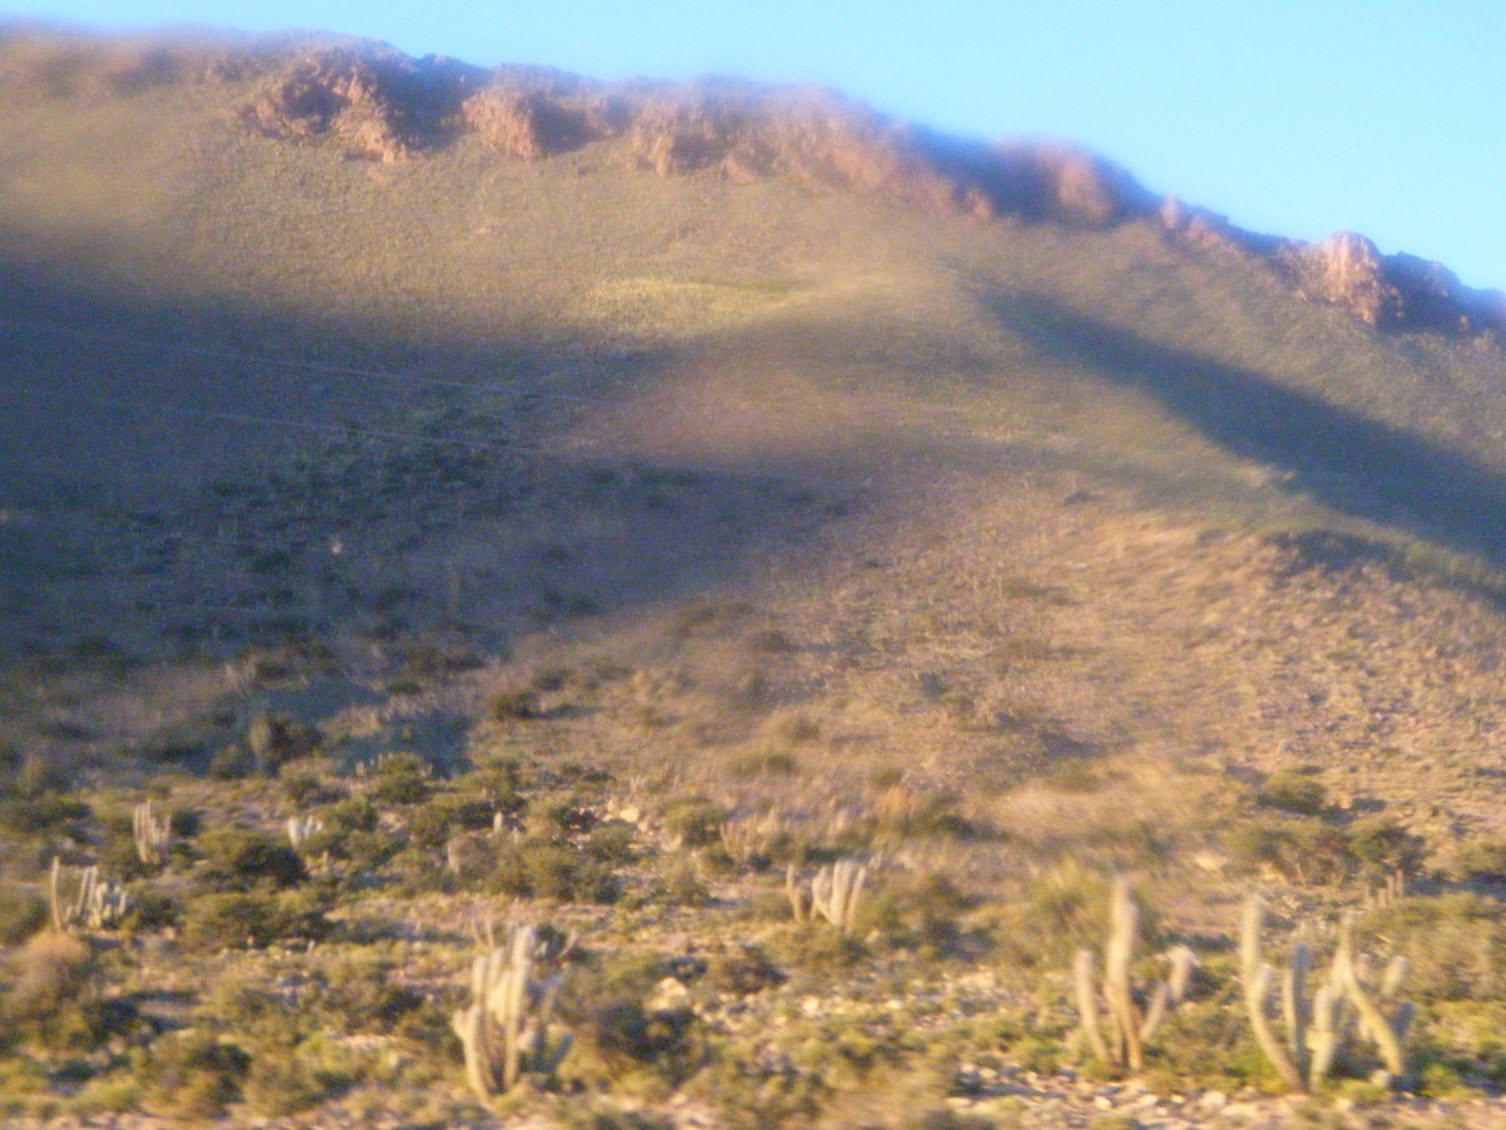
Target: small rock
668, 994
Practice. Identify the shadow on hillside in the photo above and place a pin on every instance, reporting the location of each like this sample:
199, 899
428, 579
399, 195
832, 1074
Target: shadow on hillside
203, 478
1351, 464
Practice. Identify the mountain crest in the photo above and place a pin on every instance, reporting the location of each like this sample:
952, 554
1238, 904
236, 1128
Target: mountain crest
382, 105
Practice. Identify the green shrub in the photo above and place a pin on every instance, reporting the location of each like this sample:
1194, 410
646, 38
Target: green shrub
287, 1076
612, 844
237, 859
682, 886
22, 914
1291, 790
276, 739
557, 818
400, 778
232, 763
54, 999
306, 785
1456, 944
1301, 851
901, 812
1382, 847
515, 704
35, 801
432, 825
240, 919
626, 1035
541, 869
694, 820
357, 994
192, 1074
918, 912
1482, 861
744, 970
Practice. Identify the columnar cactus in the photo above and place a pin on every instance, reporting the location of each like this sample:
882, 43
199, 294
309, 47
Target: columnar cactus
505, 1031
835, 892
300, 828
97, 904
1345, 1007
1131, 1028
153, 835
800, 899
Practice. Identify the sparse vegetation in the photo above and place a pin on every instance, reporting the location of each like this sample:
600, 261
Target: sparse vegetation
596, 580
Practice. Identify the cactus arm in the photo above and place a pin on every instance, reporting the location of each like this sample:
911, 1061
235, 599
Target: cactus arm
854, 893
1376, 1027
799, 902
60, 920
1324, 1040
1116, 974
1294, 1008
1183, 963
1257, 988
1087, 1004
1155, 1012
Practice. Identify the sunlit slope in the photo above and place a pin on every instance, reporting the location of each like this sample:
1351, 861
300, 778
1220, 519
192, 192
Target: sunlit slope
1012, 492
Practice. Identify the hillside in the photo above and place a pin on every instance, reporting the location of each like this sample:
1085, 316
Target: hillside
647, 458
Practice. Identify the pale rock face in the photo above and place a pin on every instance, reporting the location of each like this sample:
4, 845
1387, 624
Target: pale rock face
1347, 269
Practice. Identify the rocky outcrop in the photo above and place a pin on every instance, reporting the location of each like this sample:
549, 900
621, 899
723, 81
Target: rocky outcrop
529, 124
1392, 292
379, 103
1388, 292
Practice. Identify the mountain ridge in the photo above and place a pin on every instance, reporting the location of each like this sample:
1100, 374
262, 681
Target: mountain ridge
382, 105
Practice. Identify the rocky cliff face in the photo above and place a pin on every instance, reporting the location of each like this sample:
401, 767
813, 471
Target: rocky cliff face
382, 105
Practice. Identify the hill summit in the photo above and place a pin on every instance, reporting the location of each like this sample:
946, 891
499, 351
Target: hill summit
382, 105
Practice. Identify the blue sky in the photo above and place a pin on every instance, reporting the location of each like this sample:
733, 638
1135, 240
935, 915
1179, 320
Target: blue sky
1384, 117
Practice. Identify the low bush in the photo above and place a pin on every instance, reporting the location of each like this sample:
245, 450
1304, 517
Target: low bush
238, 859
431, 826
742, 971
1300, 851
1292, 790
276, 740
1456, 944
400, 778
694, 821
542, 869
53, 998
514, 704
22, 914
1482, 861
242, 919
192, 1074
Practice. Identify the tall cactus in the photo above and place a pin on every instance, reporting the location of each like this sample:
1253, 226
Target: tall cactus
153, 834
835, 892
505, 1032
97, 903
1131, 1028
1317, 1032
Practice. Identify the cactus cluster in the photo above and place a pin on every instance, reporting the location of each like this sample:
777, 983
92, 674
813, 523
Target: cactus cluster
96, 904
1131, 1021
1349, 1007
834, 894
300, 828
153, 835
506, 1032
